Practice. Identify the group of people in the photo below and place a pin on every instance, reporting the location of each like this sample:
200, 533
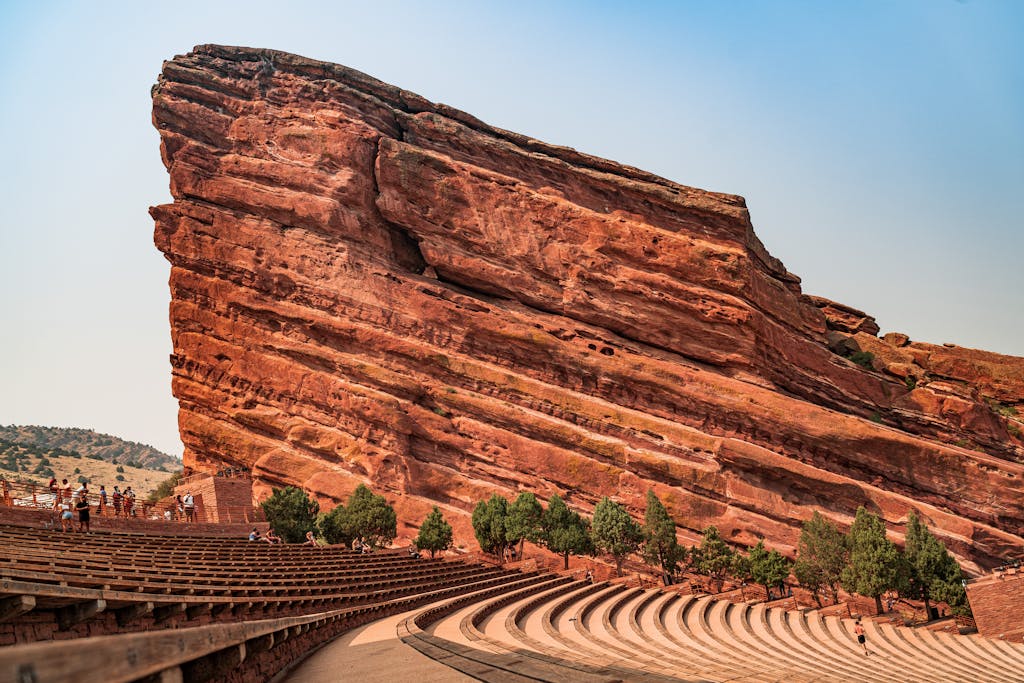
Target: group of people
123, 502
184, 509
67, 501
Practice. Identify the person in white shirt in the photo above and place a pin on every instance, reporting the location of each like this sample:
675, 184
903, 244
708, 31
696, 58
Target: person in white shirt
189, 503
65, 515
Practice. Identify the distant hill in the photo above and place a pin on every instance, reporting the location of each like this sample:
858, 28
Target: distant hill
34, 454
83, 443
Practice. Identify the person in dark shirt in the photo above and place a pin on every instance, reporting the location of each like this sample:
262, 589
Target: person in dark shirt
82, 508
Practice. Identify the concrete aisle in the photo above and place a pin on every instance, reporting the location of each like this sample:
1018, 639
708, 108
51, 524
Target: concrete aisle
372, 654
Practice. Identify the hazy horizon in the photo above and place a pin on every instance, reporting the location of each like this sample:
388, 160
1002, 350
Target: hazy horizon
880, 149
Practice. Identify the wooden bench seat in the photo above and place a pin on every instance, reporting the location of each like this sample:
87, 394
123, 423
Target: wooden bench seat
197, 653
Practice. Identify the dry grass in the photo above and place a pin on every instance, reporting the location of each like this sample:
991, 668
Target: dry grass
97, 472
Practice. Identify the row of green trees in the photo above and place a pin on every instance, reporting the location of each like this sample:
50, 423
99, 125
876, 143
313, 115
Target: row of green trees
366, 516
501, 528
864, 561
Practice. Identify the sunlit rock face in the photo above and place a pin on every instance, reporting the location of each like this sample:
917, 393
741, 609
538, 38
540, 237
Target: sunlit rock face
370, 287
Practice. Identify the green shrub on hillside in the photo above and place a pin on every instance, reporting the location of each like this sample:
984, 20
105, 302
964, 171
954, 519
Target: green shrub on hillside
863, 359
82, 443
164, 488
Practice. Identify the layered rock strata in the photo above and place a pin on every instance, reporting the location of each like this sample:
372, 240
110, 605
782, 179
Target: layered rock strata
370, 287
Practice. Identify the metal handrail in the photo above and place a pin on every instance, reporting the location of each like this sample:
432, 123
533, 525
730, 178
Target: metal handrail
40, 497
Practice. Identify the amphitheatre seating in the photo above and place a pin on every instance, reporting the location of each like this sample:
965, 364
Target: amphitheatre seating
559, 630
57, 582
190, 606
125, 607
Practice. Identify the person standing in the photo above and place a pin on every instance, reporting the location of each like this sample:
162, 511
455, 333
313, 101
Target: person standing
129, 502
82, 508
65, 515
118, 500
103, 500
189, 503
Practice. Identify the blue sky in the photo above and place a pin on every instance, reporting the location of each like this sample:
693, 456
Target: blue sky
880, 147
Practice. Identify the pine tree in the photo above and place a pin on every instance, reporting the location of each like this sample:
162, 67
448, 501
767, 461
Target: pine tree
333, 527
822, 554
369, 517
934, 574
563, 531
740, 569
713, 557
435, 533
876, 564
615, 532
489, 519
524, 521
768, 568
952, 588
661, 547
291, 513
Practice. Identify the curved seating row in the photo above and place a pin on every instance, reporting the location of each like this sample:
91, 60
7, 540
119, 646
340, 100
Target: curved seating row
127, 607
239, 651
577, 631
57, 585
230, 609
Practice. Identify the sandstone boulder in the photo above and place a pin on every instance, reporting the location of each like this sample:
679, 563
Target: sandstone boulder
369, 287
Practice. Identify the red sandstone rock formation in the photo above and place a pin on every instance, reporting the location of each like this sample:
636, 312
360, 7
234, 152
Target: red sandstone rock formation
367, 286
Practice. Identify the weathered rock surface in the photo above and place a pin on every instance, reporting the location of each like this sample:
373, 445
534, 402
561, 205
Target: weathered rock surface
370, 287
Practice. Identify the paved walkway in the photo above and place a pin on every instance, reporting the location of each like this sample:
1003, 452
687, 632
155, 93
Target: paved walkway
373, 654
